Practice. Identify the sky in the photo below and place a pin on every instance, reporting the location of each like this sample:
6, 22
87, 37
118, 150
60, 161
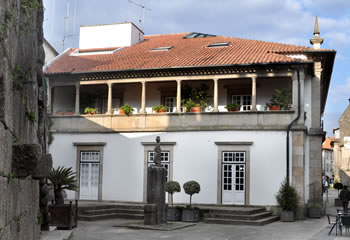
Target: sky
287, 21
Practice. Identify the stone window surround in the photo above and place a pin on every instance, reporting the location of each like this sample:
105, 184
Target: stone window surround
234, 147
149, 146
90, 146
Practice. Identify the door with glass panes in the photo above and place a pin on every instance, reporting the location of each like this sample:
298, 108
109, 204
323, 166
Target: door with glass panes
89, 175
233, 177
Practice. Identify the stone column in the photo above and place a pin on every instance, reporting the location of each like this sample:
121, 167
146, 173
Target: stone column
50, 110
316, 97
109, 101
178, 97
216, 108
253, 93
295, 93
77, 98
143, 98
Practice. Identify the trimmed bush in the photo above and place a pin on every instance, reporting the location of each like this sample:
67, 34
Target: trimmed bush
172, 187
191, 187
287, 197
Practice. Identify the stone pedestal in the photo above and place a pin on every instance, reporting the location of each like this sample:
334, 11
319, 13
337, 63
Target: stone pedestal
156, 209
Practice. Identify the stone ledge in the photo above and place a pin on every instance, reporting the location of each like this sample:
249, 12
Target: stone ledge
163, 227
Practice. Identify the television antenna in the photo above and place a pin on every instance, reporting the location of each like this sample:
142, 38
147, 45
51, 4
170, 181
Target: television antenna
142, 6
66, 21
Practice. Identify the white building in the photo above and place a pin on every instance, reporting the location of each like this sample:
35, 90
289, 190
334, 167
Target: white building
237, 157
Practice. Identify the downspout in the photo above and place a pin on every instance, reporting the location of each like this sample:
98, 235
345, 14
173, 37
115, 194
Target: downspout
291, 124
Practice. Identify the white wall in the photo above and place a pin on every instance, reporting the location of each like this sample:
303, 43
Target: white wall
109, 35
63, 99
195, 158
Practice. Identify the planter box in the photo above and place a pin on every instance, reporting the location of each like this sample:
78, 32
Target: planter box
190, 215
63, 216
287, 216
195, 109
314, 212
274, 108
338, 202
174, 214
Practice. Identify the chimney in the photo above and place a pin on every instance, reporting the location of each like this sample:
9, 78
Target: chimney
316, 41
109, 35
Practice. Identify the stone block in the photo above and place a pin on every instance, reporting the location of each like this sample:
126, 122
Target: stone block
298, 171
25, 159
44, 166
5, 150
6, 92
316, 163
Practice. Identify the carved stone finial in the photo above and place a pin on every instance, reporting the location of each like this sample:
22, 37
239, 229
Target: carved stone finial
157, 153
316, 41
316, 27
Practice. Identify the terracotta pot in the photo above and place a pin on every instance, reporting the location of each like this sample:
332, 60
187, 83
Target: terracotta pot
160, 111
195, 109
236, 109
274, 108
121, 112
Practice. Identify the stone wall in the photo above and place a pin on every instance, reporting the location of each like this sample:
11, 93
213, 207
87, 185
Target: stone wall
344, 125
22, 116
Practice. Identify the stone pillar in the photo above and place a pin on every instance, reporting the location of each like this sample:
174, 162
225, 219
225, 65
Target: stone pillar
253, 93
178, 97
315, 167
155, 209
143, 97
50, 100
77, 99
216, 108
316, 97
109, 101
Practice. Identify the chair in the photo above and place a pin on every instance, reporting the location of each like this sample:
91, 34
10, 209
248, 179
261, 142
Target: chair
344, 222
332, 220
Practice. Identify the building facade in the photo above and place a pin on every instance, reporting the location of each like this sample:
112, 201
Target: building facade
237, 157
327, 159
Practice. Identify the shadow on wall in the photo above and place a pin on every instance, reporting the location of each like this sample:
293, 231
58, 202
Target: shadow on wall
344, 177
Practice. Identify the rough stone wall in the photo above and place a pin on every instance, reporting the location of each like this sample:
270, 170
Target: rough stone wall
22, 113
344, 125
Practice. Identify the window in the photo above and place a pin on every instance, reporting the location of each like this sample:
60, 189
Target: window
198, 35
167, 48
170, 102
219, 44
165, 158
243, 100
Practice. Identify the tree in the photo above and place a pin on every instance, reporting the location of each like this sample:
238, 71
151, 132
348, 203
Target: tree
171, 187
191, 187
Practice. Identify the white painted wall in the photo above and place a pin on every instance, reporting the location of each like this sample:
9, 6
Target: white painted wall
109, 35
63, 99
195, 158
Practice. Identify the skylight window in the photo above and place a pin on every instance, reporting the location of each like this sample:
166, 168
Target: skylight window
162, 49
198, 35
219, 44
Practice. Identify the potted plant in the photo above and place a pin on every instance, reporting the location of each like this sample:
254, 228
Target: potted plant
174, 214
287, 198
126, 109
232, 107
90, 110
62, 215
160, 108
196, 100
191, 106
280, 100
314, 210
190, 214
337, 201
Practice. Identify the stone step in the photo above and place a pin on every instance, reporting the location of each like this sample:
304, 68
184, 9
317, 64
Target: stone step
123, 206
109, 216
111, 210
235, 211
258, 222
255, 216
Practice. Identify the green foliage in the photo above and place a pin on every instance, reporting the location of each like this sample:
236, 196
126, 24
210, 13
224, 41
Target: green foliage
287, 197
160, 108
195, 98
232, 106
127, 109
50, 137
313, 205
39, 217
191, 187
171, 187
10, 177
28, 6
281, 98
189, 103
9, 19
30, 115
90, 110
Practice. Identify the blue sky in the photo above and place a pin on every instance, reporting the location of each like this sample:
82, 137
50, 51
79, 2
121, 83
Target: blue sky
289, 21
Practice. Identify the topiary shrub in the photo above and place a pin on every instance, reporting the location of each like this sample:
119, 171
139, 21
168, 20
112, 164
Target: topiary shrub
338, 186
172, 187
287, 197
191, 187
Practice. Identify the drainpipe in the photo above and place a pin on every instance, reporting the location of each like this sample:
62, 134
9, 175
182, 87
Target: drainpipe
291, 124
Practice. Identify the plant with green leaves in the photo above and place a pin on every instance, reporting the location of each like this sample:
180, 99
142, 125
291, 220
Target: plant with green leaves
191, 187
189, 103
232, 106
127, 109
287, 197
160, 108
61, 179
172, 187
90, 110
281, 97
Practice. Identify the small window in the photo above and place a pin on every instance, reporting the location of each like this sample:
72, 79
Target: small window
198, 35
162, 48
219, 44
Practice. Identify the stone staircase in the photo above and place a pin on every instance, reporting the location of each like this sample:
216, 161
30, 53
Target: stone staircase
255, 216
102, 212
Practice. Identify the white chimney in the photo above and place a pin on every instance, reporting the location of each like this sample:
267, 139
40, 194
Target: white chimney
109, 35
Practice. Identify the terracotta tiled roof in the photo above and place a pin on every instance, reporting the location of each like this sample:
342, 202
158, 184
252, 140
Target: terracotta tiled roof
327, 144
185, 53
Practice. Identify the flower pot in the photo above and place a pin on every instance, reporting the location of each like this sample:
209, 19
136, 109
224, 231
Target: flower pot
287, 216
195, 109
190, 215
174, 214
274, 108
63, 216
314, 212
160, 111
236, 109
121, 112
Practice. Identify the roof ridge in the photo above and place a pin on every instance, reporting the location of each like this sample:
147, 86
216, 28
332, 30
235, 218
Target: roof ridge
155, 35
